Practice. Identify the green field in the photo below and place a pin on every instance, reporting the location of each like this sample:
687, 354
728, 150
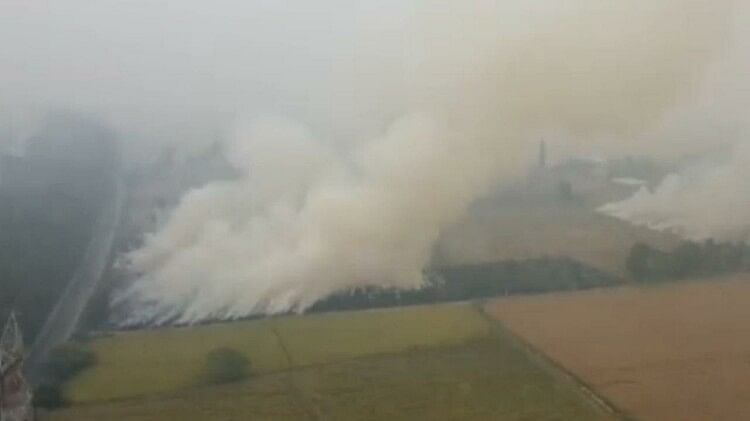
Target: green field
419, 363
157, 361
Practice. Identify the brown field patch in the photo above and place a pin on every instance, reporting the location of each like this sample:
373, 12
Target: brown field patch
522, 231
676, 352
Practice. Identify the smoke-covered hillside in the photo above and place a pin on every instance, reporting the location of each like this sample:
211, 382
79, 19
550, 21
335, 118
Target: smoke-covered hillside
359, 133
49, 200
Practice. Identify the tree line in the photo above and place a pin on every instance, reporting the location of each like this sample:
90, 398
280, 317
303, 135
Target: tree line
475, 281
690, 259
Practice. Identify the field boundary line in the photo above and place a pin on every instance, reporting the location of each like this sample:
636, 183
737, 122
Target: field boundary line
553, 367
312, 412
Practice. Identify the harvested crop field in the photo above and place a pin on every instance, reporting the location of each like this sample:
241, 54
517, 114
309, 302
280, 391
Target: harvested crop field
675, 352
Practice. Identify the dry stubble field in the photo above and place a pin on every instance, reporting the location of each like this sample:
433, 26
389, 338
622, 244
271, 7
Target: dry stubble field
675, 352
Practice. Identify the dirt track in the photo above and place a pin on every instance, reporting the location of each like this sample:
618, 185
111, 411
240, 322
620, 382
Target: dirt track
677, 352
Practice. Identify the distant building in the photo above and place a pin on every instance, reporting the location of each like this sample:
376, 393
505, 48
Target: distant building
538, 175
15, 393
542, 155
570, 176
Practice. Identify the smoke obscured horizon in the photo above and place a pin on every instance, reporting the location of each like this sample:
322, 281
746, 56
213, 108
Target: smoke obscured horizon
361, 130
328, 204
709, 197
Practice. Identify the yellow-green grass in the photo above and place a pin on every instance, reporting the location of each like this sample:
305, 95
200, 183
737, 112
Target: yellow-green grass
152, 362
483, 379
147, 362
336, 336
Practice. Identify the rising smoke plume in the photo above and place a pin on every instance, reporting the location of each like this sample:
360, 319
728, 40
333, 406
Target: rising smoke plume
701, 202
709, 197
475, 83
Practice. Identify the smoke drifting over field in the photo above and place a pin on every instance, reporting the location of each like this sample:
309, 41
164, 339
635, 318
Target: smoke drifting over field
464, 89
705, 201
709, 198
363, 129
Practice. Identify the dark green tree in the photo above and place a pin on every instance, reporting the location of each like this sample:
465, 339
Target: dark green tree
638, 263
225, 365
687, 260
49, 396
69, 359
565, 191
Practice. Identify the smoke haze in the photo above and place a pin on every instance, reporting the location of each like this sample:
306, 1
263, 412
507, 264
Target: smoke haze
360, 130
709, 198
703, 201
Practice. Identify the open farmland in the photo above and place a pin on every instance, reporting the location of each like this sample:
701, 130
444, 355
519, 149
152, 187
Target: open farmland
675, 352
433, 363
155, 361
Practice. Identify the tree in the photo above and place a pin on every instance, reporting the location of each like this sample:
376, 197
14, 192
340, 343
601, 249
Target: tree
565, 191
69, 359
638, 262
687, 260
225, 365
49, 396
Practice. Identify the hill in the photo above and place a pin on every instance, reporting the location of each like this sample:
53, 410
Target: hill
525, 225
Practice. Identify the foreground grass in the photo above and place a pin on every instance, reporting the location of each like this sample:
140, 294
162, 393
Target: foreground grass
144, 363
483, 379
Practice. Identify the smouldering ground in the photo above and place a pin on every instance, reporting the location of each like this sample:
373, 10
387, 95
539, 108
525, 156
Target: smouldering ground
441, 362
676, 352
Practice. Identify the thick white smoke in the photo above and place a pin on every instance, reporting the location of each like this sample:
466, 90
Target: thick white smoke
701, 202
475, 83
709, 198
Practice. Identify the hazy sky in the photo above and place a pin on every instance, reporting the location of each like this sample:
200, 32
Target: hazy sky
362, 129
383, 121
181, 70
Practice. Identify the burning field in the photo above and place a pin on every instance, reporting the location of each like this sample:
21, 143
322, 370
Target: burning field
674, 352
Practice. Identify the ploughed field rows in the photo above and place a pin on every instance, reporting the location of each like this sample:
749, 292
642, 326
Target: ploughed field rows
674, 352
443, 362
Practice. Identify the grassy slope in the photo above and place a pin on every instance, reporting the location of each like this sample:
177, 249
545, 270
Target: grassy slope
431, 363
516, 230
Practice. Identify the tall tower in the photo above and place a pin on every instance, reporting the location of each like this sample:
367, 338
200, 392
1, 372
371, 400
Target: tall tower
15, 394
542, 155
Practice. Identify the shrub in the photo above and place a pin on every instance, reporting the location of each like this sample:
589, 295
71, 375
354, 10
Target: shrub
49, 396
638, 261
687, 260
69, 359
225, 365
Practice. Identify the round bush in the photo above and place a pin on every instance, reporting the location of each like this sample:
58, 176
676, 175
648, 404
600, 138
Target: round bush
49, 396
224, 365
